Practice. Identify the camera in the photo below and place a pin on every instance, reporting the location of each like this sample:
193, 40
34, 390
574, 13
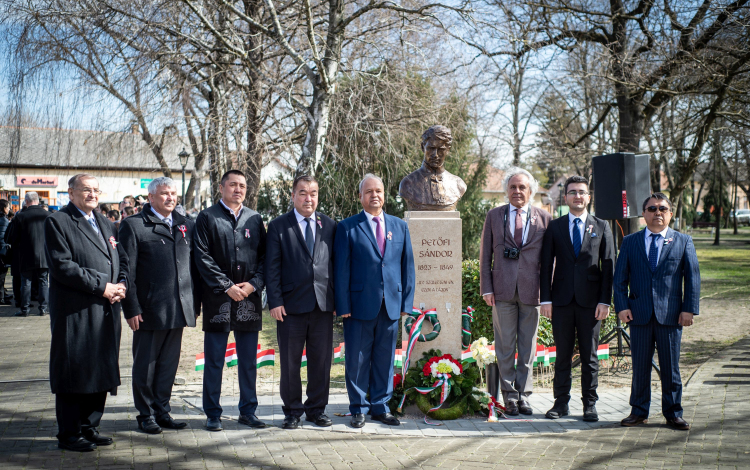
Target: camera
511, 253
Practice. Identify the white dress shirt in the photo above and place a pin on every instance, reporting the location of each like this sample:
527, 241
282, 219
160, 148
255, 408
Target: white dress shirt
89, 218
303, 224
235, 214
659, 242
374, 225
582, 227
524, 217
167, 219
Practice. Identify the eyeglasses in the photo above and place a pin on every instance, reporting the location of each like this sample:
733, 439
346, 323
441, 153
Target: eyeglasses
660, 208
577, 193
98, 192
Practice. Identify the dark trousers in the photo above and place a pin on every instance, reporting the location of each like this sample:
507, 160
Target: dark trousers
156, 355
215, 347
77, 412
17, 289
40, 275
314, 329
569, 322
5, 294
369, 356
666, 339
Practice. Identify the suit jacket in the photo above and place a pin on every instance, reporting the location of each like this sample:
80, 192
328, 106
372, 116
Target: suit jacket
158, 265
659, 292
295, 278
27, 234
85, 346
228, 252
503, 276
363, 278
586, 279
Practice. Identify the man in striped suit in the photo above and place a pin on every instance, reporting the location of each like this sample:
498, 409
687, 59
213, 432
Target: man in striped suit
648, 288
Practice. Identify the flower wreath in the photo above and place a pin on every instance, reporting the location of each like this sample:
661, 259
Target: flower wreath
430, 315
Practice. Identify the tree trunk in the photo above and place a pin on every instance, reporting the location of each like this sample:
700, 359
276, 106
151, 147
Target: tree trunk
318, 115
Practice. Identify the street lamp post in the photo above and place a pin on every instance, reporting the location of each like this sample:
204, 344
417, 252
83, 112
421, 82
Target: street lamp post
183, 161
559, 206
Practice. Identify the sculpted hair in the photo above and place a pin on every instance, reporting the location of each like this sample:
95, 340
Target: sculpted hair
73, 182
31, 198
575, 179
515, 171
660, 197
306, 178
367, 177
225, 176
154, 185
441, 133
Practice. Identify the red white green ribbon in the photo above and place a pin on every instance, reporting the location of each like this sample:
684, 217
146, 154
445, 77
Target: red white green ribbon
416, 330
443, 382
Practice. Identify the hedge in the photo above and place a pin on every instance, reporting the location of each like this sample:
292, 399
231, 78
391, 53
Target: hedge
482, 325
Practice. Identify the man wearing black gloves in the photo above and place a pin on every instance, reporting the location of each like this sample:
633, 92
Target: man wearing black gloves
299, 275
229, 248
156, 262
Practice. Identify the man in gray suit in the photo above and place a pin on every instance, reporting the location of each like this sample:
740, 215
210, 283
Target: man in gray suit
509, 275
156, 261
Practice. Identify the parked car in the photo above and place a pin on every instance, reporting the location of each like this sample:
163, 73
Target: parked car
743, 217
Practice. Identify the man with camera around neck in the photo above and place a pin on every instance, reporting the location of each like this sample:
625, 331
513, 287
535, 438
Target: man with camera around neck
509, 274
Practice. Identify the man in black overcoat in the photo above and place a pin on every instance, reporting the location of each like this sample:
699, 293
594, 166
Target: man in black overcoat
84, 313
26, 233
229, 248
579, 249
156, 259
299, 284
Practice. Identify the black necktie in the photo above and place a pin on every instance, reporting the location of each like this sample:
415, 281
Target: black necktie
309, 236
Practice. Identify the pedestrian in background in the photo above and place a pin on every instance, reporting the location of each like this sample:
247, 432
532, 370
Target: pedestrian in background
6, 297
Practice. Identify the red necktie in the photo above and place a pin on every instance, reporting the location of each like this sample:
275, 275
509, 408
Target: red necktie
518, 232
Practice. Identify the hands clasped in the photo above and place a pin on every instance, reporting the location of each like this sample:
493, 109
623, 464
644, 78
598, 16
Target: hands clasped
114, 292
240, 291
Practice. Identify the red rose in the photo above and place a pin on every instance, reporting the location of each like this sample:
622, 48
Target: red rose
397, 380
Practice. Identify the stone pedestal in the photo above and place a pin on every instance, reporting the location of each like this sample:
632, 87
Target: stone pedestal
436, 242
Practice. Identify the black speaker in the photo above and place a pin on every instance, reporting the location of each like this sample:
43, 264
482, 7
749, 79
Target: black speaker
621, 184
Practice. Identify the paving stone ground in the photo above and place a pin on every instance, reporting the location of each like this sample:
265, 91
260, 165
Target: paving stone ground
715, 402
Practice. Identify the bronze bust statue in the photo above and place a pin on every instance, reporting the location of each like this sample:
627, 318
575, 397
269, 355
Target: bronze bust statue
431, 187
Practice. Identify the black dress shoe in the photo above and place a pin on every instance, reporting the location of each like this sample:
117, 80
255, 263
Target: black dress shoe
149, 426
169, 423
43, 313
590, 414
252, 421
524, 408
92, 435
678, 423
511, 408
25, 314
214, 424
6, 302
290, 422
557, 411
634, 420
387, 418
76, 444
358, 420
320, 420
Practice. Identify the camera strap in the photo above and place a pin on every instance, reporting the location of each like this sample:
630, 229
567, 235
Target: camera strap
525, 228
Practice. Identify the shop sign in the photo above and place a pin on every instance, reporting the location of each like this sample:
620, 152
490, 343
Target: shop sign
36, 181
145, 182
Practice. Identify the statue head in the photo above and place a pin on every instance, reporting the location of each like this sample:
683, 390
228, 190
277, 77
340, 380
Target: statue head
436, 143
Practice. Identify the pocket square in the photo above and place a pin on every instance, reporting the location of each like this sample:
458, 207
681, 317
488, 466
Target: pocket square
593, 235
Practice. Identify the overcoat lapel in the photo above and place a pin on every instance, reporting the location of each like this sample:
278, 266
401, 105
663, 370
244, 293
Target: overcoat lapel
509, 240
88, 230
532, 224
364, 225
292, 221
564, 229
641, 245
160, 228
318, 231
586, 235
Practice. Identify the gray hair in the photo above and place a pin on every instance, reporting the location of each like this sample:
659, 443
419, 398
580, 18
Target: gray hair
160, 181
515, 171
367, 177
31, 198
73, 181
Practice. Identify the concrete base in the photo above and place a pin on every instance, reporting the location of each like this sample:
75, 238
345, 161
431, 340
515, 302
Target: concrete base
436, 241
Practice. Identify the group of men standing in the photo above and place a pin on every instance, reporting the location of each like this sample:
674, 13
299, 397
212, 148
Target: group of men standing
566, 269
161, 268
